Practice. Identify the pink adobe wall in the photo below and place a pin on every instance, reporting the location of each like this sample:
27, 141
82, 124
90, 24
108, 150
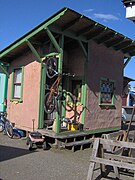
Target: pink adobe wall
22, 113
106, 63
74, 60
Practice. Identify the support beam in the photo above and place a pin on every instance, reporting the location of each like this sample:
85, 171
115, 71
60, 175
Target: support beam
60, 62
114, 42
96, 33
122, 45
53, 40
106, 37
4, 70
34, 51
84, 49
127, 61
86, 29
84, 85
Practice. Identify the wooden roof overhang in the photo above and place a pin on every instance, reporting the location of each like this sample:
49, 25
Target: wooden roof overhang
73, 25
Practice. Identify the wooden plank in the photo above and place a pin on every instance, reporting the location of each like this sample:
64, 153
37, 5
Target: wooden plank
101, 155
94, 154
129, 126
119, 158
79, 142
117, 143
113, 163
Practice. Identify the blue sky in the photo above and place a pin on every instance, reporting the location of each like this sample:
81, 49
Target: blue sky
19, 17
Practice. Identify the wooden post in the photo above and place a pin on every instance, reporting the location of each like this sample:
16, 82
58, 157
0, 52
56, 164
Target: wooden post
101, 155
33, 120
94, 154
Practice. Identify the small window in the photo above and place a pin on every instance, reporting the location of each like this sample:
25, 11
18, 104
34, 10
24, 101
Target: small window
17, 84
106, 92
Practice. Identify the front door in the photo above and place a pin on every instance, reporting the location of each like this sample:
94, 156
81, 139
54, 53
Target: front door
3, 91
76, 91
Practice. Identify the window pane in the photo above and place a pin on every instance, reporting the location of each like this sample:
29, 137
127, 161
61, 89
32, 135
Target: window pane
17, 91
18, 76
107, 92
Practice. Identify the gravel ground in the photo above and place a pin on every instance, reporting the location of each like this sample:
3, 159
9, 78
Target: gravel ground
18, 163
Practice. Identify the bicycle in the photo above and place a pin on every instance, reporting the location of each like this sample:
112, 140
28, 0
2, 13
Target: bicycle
52, 97
5, 125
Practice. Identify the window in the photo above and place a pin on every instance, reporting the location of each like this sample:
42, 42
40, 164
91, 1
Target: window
17, 79
106, 92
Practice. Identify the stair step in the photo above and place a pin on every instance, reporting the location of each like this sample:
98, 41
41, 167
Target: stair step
76, 143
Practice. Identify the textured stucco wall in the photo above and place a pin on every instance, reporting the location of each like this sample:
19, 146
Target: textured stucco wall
106, 63
22, 113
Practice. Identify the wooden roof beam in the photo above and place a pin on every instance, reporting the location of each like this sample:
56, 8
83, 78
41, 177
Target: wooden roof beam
122, 45
106, 37
96, 33
86, 29
71, 23
114, 42
128, 49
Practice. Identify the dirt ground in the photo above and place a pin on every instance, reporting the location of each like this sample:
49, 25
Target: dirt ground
17, 162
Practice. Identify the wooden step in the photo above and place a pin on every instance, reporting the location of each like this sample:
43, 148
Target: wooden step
78, 143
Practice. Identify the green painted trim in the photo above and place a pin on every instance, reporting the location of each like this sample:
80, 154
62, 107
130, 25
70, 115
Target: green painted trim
34, 51
96, 131
12, 99
59, 48
5, 92
53, 54
84, 88
127, 61
4, 70
41, 97
53, 40
60, 60
32, 33
103, 130
5, 89
67, 33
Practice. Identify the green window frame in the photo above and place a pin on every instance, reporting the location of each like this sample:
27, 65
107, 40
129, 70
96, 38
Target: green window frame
17, 84
107, 92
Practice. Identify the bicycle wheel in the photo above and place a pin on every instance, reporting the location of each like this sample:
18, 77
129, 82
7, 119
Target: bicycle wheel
49, 103
51, 67
69, 101
1, 126
9, 129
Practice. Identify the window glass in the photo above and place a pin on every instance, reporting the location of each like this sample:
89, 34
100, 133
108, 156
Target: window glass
18, 76
17, 91
107, 92
17, 83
